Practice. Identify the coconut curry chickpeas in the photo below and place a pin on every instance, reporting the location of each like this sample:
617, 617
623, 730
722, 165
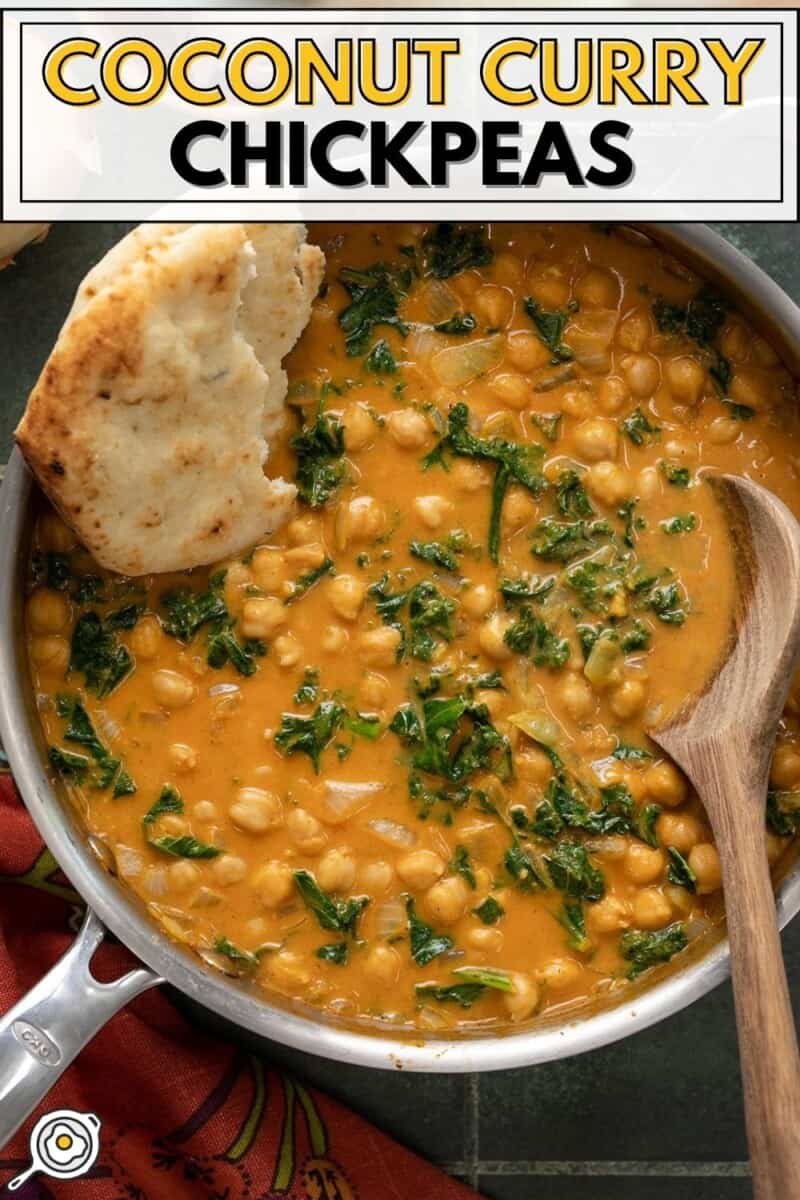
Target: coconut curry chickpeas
394, 762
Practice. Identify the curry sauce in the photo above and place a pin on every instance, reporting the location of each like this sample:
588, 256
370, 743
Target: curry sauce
394, 762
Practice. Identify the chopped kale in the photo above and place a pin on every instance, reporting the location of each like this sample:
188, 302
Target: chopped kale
169, 801
571, 497
563, 541
739, 412
637, 427
461, 864
644, 950
108, 769
336, 916
380, 360
184, 846
634, 524
72, 767
375, 296
681, 523
306, 581
333, 952
678, 476
783, 812
434, 552
310, 735
457, 325
429, 616
643, 824
665, 602
451, 249
528, 589
627, 753
548, 423
701, 320
244, 960
637, 637
680, 873
97, 653
51, 570
490, 911
573, 873
530, 635
550, 327
524, 871
308, 691
407, 725
425, 944
594, 584
514, 461
320, 467
365, 725
187, 611
224, 646
488, 977
463, 994
572, 919
457, 739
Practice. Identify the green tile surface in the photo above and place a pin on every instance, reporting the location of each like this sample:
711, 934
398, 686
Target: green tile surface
657, 1116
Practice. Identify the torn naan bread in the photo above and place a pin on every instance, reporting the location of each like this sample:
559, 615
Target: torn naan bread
149, 426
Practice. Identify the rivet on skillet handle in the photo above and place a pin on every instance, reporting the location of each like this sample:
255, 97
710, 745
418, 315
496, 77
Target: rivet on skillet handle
43, 1033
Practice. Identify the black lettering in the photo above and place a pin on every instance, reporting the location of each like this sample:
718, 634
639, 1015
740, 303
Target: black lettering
181, 145
493, 153
552, 139
321, 145
243, 153
298, 132
622, 170
444, 152
387, 151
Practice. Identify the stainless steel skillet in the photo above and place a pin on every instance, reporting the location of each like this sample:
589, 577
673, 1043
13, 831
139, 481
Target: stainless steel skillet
44, 1032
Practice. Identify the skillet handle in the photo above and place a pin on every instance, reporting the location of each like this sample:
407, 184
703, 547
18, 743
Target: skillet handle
47, 1029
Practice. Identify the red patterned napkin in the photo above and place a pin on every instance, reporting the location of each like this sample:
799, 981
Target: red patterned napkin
184, 1115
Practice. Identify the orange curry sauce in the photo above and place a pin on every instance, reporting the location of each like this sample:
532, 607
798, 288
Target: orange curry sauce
430, 799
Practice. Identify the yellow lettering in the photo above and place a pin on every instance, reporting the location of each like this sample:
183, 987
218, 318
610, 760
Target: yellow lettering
734, 66
312, 65
281, 71
551, 86
400, 86
674, 65
490, 71
179, 71
620, 62
436, 54
54, 65
111, 67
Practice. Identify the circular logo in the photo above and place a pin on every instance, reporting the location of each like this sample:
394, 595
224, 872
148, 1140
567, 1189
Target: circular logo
64, 1144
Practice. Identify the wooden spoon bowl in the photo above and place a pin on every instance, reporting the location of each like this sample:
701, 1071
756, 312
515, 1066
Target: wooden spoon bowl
723, 740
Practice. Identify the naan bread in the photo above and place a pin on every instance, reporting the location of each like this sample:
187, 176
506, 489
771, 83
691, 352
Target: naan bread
148, 426
14, 235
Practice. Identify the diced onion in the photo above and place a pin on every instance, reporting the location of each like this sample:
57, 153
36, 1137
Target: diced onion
219, 961
589, 336
390, 918
107, 727
223, 689
458, 365
604, 656
438, 302
608, 847
696, 927
537, 724
344, 799
129, 862
205, 898
422, 344
155, 881
392, 832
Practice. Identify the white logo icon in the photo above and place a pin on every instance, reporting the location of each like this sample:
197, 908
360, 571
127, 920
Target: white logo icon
63, 1145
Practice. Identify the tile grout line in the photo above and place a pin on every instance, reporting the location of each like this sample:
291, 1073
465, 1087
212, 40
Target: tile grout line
470, 1165
472, 1168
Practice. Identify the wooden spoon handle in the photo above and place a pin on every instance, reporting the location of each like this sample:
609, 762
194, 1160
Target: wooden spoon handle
767, 1036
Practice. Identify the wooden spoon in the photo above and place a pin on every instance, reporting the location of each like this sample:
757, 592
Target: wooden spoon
723, 740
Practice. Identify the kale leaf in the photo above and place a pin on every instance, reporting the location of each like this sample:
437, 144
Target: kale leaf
425, 944
550, 327
459, 324
310, 735
375, 296
451, 249
320, 467
96, 652
644, 950
337, 916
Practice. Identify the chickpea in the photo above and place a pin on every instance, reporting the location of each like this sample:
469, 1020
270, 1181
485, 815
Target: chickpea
433, 511
485, 941
288, 970
288, 651
724, 430
360, 520
374, 689
681, 830
511, 389
507, 269
492, 699
359, 427
273, 884
533, 765
550, 287
420, 869
609, 483
346, 595
561, 973
306, 832
642, 374
51, 652
628, 698
526, 352
785, 770
494, 305
665, 784
491, 637
334, 639
612, 395
378, 647
703, 859
648, 483
577, 696
302, 530
598, 288
578, 402
376, 877
228, 869
48, 611
336, 871
446, 901
408, 428
383, 965
634, 331
597, 439
171, 689
748, 386
686, 379
523, 1001
256, 811
734, 341
305, 558
55, 535
182, 876
267, 568
205, 811
608, 915
262, 616
651, 909
519, 509
643, 864
470, 476
182, 758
